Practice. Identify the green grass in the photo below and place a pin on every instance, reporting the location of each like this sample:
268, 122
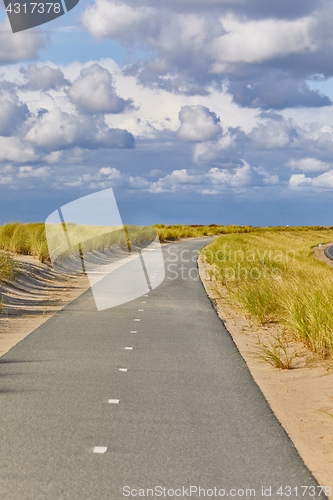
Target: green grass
274, 277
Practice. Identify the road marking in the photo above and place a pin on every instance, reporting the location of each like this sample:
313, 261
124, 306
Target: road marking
145, 295
100, 449
123, 369
143, 302
129, 348
134, 331
140, 310
114, 401
137, 319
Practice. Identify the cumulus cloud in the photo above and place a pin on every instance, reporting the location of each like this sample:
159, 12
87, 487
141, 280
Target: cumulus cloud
29, 171
192, 44
94, 92
275, 90
14, 150
13, 111
258, 41
42, 78
59, 130
21, 46
309, 165
114, 19
198, 124
214, 181
274, 134
323, 182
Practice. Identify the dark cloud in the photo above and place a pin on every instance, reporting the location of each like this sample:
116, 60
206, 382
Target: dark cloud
275, 91
191, 45
282, 9
177, 84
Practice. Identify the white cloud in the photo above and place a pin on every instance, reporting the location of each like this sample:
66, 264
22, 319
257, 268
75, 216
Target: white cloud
14, 150
13, 111
214, 181
94, 92
19, 46
309, 165
58, 130
274, 134
258, 41
111, 173
198, 124
321, 183
111, 19
42, 78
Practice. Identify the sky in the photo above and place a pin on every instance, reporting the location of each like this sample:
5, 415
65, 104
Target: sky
193, 111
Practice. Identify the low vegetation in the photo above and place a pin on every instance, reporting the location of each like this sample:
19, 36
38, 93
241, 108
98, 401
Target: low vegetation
270, 272
7, 270
24, 239
274, 278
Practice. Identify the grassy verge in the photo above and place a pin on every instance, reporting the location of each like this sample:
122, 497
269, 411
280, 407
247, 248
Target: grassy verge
273, 276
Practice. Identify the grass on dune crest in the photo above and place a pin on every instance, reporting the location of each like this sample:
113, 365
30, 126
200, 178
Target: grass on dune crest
30, 239
274, 277
24, 239
7, 270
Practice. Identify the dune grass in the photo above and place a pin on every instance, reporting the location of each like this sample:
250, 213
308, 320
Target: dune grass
24, 239
30, 239
274, 277
7, 271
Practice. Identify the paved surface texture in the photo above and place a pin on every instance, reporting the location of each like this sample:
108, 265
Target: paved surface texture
329, 252
189, 412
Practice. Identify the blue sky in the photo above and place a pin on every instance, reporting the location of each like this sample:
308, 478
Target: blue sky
193, 111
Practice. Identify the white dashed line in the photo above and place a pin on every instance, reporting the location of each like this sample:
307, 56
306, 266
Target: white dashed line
129, 348
140, 310
134, 331
137, 319
100, 449
123, 369
114, 401
143, 302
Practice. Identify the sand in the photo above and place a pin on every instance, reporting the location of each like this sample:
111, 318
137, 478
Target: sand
35, 295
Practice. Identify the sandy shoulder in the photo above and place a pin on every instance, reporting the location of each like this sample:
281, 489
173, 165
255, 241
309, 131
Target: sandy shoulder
301, 398
37, 293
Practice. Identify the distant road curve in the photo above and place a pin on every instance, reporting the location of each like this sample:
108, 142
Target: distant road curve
329, 252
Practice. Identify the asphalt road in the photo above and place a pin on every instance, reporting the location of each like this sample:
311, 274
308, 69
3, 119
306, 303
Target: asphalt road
189, 412
329, 252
